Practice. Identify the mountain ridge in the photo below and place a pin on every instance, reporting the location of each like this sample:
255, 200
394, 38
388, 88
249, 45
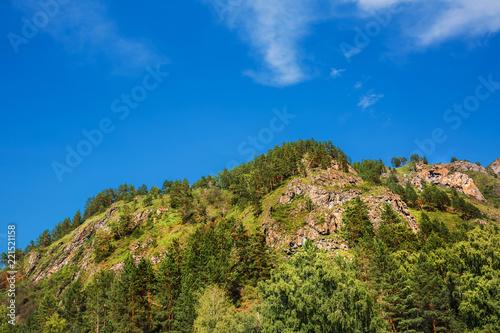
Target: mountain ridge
304, 202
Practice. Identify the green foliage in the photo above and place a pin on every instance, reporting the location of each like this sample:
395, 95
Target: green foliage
313, 293
370, 170
98, 304
142, 190
77, 220
215, 313
415, 158
74, 306
55, 324
216, 275
434, 197
410, 196
251, 181
398, 161
169, 286
131, 309
181, 198
125, 225
468, 210
93, 205
356, 223
474, 268
155, 192
148, 201
102, 246
393, 232
48, 306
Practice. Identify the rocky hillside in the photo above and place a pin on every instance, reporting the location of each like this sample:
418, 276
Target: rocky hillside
306, 207
313, 204
297, 197
316, 202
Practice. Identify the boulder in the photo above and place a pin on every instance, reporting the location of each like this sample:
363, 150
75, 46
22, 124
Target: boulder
495, 167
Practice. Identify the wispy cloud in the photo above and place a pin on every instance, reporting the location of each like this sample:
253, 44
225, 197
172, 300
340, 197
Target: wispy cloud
274, 30
436, 21
368, 100
85, 28
343, 117
336, 73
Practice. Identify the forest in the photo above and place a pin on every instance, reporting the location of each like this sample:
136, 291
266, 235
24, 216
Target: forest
213, 271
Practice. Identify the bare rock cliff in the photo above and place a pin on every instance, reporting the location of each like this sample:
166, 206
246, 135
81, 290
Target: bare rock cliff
439, 174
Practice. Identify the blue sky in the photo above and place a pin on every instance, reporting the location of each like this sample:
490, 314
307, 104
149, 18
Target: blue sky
154, 90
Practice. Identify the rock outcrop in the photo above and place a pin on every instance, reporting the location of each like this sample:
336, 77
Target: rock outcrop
462, 166
79, 250
495, 167
439, 174
328, 191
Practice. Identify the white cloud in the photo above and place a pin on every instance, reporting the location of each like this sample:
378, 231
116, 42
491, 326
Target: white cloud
358, 85
336, 73
85, 28
464, 17
274, 29
435, 21
369, 99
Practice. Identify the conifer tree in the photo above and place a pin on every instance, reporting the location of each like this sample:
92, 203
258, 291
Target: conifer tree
356, 223
99, 302
124, 297
77, 220
410, 195
48, 306
74, 306
169, 286
145, 286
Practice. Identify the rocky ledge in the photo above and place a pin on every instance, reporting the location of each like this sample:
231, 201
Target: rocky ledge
439, 174
462, 166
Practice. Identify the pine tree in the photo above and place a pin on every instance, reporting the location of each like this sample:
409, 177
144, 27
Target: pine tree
74, 306
145, 286
77, 220
99, 302
124, 296
48, 306
356, 223
169, 286
394, 232
410, 195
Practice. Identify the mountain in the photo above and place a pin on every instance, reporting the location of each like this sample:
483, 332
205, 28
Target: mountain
300, 239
